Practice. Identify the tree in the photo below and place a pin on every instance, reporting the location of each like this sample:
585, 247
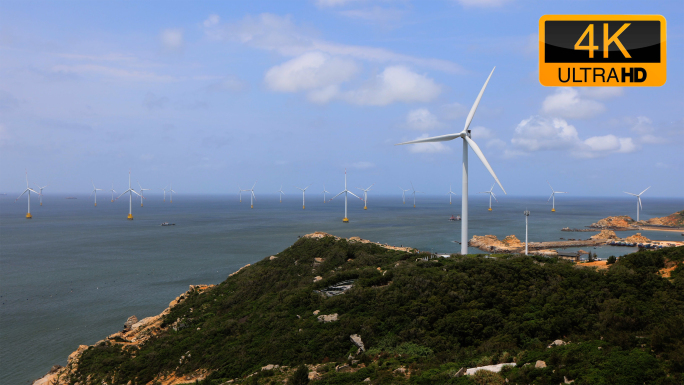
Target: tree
611, 260
300, 376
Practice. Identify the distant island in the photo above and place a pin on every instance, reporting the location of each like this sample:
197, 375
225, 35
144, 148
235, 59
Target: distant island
625, 222
329, 310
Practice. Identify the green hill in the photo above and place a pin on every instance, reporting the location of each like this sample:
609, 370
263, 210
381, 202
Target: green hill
420, 321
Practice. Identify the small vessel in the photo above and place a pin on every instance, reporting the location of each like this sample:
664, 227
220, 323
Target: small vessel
456, 218
168, 224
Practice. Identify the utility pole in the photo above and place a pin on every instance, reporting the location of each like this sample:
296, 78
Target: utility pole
527, 214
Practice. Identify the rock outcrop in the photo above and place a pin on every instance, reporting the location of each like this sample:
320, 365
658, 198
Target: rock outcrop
673, 220
617, 222
491, 243
605, 234
637, 238
327, 317
356, 339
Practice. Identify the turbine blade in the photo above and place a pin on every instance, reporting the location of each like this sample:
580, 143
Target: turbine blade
480, 155
630, 194
550, 196
22, 194
642, 207
135, 192
494, 196
645, 190
354, 195
477, 102
123, 193
547, 182
441, 138
336, 195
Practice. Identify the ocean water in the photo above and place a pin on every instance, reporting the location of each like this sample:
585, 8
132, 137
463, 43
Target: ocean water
74, 273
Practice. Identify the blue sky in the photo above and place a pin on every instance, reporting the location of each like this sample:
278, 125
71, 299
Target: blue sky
209, 95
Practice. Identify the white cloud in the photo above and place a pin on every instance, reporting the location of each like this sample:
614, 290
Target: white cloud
652, 139
566, 103
375, 15
481, 133
363, 165
333, 3
640, 124
229, 83
395, 84
278, 33
172, 39
454, 111
602, 92
211, 21
422, 119
483, 3
539, 133
112, 72
428, 148
313, 70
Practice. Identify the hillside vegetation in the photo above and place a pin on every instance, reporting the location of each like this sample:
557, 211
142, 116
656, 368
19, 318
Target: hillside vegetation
420, 321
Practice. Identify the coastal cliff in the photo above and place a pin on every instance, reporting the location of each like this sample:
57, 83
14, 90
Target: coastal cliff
349, 311
625, 222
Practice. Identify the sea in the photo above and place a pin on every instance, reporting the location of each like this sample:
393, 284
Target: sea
74, 273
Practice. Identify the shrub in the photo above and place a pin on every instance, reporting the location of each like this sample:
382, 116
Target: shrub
300, 376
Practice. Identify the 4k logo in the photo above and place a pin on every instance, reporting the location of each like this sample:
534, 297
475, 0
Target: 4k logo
602, 50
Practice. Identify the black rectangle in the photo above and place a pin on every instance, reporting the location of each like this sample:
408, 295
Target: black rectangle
641, 40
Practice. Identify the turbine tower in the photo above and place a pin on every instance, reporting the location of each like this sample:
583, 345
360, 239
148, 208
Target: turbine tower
171, 193
527, 214
281, 193
345, 192
41, 193
324, 192
450, 194
130, 196
112, 190
29, 190
303, 193
414, 194
365, 196
467, 141
553, 196
142, 192
403, 195
95, 190
252, 197
164, 193
491, 194
638, 200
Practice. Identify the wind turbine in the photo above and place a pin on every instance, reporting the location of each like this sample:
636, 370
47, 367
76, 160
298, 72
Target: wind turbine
112, 190
325, 191
30, 190
164, 193
171, 193
142, 192
252, 197
95, 190
41, 193
365, 195
450, 194
130, 196
638, 200
240, 192
553, 195
403, 194
491, 194
303, 192
281, 193
467, 141
345, 192
414, 194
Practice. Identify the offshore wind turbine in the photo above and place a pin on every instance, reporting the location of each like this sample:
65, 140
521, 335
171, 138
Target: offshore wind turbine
414, 194
450, 194
491, 194
365, 196
553, 195
281, 193
142, 192
164, 193
345, 192
112, 190
403, 195
324, 192
29, 190
467, 141
130, 196
303, 193
95, 190
41, 193
171, 193
252, 197
638, 200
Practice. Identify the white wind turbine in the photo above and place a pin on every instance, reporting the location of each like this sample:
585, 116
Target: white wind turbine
130, 196
414, 194
303, 193
553, 196
465, 135
324, 192
252, 197
491, 194
281, 193
95, 190
41, 193
165, 192
345, 192
450, 194
142, 192
29, 190
638, 200
403, 194
171, 193
365, 196
113, 192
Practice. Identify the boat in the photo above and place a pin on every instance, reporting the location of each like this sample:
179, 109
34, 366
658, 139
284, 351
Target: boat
168, 224
456, 218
